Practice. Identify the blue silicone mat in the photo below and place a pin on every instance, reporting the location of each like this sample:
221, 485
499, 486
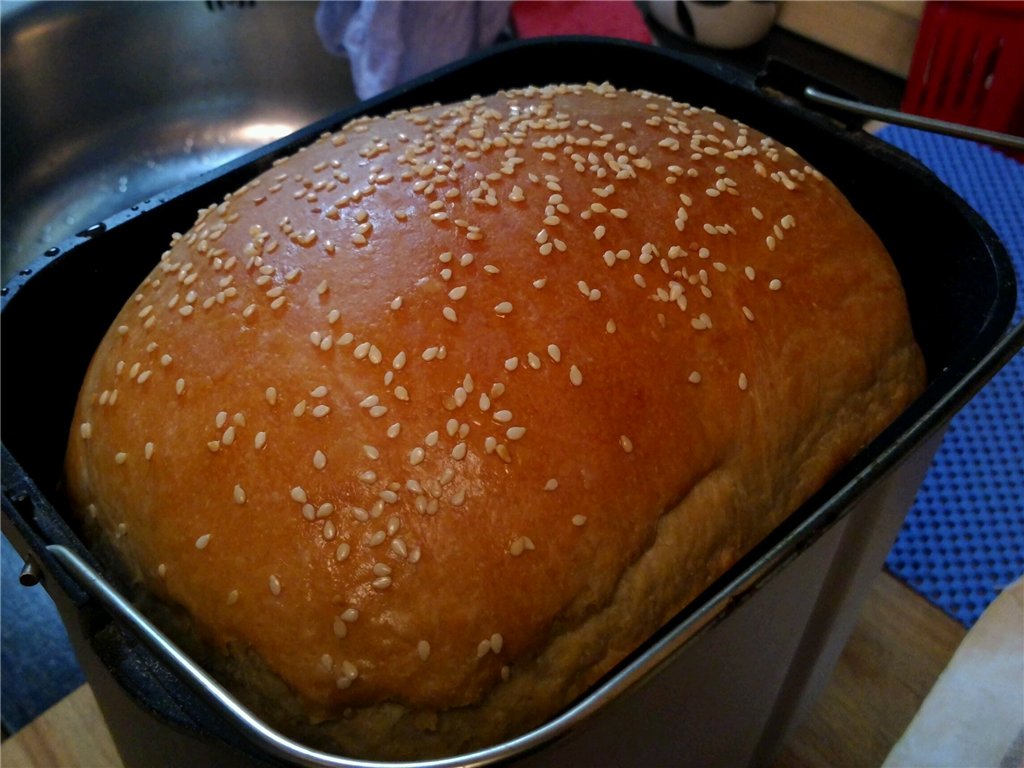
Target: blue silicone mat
963, 540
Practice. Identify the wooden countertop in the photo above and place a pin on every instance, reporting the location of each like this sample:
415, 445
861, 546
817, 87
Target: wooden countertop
895, 653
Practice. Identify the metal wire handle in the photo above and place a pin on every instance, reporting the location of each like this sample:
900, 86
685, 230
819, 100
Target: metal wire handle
916, 121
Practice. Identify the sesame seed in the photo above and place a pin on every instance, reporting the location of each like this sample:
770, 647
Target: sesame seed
743, 382
579, 520
86, 430
775, 284
423, 650
322, 410
147, 451
626, 443
694, 377
298, 494
299, 409
575, 376
275, 585
260, 440
394, 430
540, 283
319, 459
121, 457
203, 541
503, 308
511, 363
320, 391
232, 597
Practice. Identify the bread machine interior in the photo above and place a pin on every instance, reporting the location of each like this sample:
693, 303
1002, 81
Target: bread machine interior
107, 103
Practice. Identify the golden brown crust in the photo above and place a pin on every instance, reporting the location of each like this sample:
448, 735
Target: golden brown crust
442, 416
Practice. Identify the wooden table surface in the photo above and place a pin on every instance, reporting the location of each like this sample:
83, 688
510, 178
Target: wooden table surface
897, 650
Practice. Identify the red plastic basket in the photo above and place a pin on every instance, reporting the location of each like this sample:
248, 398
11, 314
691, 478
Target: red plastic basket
968, 65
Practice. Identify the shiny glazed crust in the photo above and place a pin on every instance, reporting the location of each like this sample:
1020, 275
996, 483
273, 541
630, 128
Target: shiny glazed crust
430, 425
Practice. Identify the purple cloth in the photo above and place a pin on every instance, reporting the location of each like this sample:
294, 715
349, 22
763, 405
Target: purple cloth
390, 41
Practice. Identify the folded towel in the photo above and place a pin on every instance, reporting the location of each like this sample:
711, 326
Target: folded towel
390, 42
974, 716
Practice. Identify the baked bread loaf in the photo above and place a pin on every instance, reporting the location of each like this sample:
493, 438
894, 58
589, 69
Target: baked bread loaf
427, 427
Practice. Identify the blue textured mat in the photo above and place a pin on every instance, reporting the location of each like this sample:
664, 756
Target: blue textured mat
963, 540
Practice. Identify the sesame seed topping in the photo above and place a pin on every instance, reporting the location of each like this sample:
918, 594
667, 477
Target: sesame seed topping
275, 585
775, 284
239, 495
298, 494
503, 308
743, 382
579, 520
423, 650
626, 443
319, 459
515, 433
147, 451
203, 541
694, 377
575, 376
121, 457
86, 430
